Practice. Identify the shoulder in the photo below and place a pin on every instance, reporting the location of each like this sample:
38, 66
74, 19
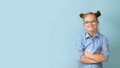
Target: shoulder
103, 37
81, 37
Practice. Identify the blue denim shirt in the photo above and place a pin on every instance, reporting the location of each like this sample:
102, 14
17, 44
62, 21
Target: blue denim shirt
93, 46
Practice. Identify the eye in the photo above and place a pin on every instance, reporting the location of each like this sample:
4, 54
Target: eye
86, 22
92, 21
95, 21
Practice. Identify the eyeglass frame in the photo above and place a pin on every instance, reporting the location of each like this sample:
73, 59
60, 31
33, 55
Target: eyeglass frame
91, 22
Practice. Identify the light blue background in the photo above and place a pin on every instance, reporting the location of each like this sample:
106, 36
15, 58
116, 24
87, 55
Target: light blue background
43, 33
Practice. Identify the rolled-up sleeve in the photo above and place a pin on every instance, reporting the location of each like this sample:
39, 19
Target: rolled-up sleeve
79, 47
105, 48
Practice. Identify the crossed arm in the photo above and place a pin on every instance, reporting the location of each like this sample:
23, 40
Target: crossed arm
93, 58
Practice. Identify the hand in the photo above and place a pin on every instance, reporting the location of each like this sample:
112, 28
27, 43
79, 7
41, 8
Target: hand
101, 52
86, 54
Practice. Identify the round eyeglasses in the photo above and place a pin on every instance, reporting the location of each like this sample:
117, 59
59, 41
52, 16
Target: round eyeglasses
91, 22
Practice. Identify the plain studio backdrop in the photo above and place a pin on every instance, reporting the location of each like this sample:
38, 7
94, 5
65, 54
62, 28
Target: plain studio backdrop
43, 33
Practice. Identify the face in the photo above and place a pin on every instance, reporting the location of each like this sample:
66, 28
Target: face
90, 22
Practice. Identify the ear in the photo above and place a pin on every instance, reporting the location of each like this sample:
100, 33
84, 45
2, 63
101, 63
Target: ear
83, 24
98, 14
81, 15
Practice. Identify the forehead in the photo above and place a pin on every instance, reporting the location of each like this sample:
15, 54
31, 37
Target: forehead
90, 17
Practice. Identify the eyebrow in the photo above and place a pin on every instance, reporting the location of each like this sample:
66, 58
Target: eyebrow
91, 21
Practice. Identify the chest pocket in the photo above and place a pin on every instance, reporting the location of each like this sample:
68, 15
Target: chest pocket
93, 47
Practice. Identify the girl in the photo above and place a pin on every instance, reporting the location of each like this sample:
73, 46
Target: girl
93, 48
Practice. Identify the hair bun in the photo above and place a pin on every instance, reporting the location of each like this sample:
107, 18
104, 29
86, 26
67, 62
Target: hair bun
81, 15
97, 13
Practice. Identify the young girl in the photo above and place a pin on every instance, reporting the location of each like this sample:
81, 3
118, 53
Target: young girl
93, 48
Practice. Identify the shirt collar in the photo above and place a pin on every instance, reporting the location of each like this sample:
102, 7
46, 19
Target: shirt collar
88, 36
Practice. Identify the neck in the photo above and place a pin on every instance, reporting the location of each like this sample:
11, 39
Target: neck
92, 33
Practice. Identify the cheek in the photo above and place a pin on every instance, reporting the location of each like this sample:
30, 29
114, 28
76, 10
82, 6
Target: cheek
96, 26
85, 26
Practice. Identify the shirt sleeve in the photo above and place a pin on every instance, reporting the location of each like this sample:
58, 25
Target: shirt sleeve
80, 49
105, 48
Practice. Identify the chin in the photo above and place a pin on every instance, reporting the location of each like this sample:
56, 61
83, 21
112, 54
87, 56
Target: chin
91, 30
